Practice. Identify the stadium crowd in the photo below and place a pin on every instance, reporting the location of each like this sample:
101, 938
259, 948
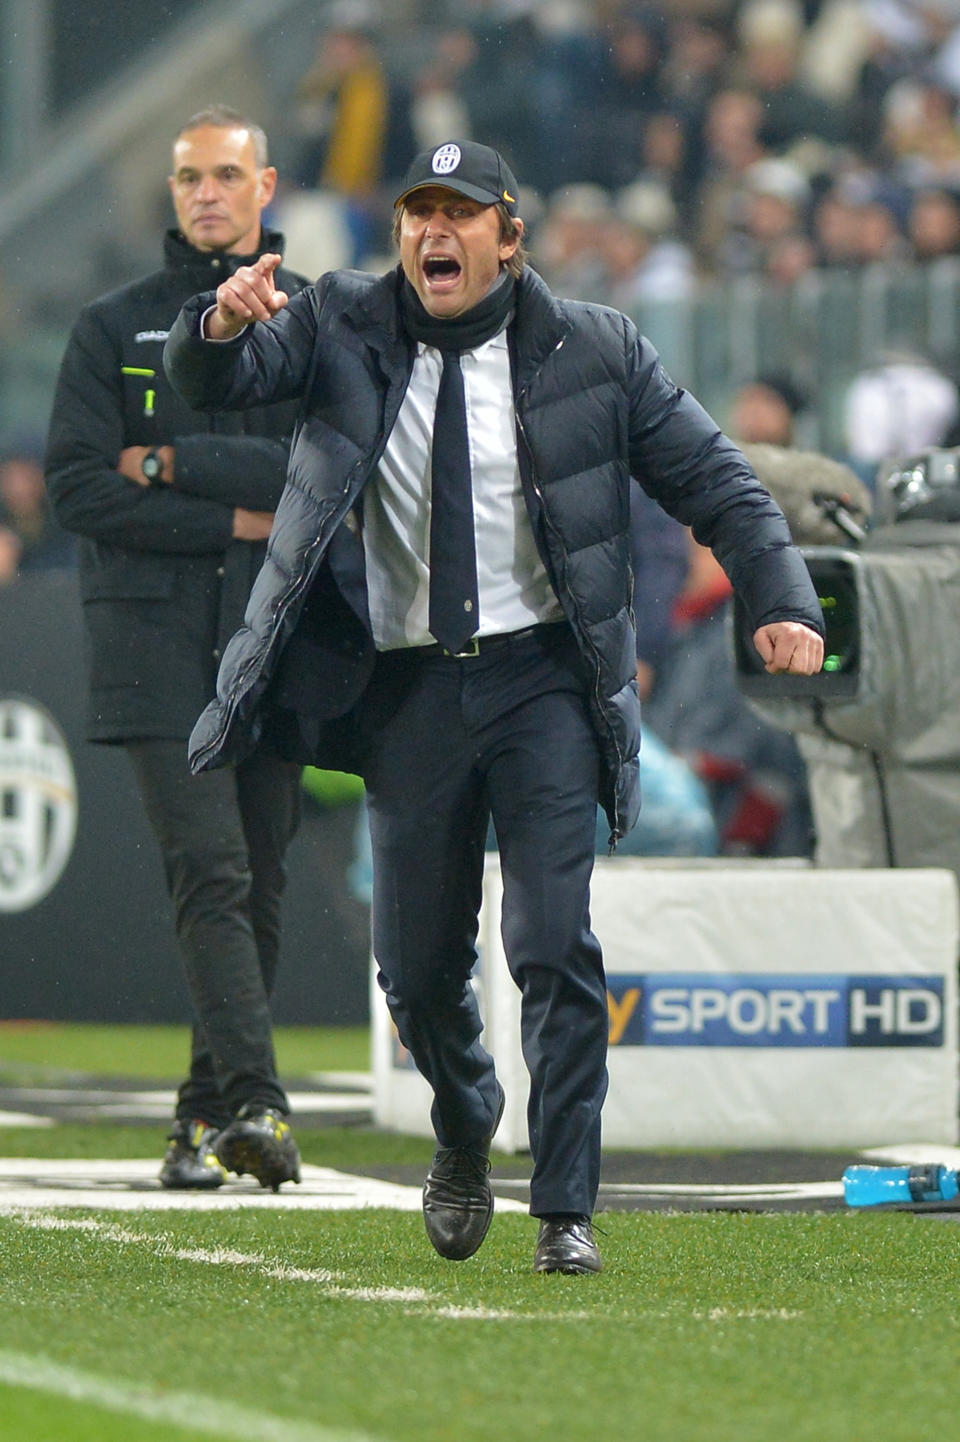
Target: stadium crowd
659, 144
660, 148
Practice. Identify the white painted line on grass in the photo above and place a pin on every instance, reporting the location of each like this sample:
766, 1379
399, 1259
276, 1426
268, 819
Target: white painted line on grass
774, 1191
416, 1301
196, 1412
161, 1246
133, 1186
158, 1103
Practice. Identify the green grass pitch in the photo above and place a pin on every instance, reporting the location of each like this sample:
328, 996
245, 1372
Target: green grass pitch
296, 1326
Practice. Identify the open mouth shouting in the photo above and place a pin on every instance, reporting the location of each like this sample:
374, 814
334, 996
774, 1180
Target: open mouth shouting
441, 272
451, 249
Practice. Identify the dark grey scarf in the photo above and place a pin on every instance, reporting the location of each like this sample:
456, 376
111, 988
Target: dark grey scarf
460, 332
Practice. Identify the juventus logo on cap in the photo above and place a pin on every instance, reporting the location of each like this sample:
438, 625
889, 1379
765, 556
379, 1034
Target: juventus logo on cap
445, 159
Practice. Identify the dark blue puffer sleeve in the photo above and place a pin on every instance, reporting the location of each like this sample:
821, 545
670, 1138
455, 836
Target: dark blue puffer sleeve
696, 473
267, 362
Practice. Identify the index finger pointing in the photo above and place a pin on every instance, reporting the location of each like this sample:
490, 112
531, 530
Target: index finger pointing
267, 264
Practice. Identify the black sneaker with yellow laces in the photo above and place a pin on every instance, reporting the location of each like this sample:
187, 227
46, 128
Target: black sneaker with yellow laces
260, 1142
191, 1162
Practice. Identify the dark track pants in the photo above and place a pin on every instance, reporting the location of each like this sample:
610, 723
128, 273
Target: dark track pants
450, 743
223, 836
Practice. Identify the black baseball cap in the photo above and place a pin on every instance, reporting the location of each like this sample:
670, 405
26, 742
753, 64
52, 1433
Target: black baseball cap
468, 168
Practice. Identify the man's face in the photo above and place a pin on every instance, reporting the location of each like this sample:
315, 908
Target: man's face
450, 249
218, 191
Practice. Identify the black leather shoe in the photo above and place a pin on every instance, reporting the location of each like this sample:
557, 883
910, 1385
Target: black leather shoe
566, 1244
458, 1198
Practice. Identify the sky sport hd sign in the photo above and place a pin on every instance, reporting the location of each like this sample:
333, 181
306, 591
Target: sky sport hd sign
751, 1006
775, 1011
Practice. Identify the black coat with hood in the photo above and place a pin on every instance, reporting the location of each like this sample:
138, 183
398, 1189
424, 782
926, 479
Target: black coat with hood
593, 407
164, 583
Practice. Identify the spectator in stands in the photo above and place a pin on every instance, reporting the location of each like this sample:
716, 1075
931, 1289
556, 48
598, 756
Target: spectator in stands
355, 122
765, 410
41, 543
933, 226
771, 36
10, 550
661, 563
879, 230
438, 107
570, 240
666, 157
858, 220
628, 93
769, 206
753, 773
921, 134
643, 258
902, 405
789, 258
500, 89
174, 509
732, 144
699, 61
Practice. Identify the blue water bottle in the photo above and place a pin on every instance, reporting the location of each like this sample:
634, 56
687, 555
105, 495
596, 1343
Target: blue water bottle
899, 1186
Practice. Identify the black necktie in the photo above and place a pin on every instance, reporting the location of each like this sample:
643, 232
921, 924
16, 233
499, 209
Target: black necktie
454, 608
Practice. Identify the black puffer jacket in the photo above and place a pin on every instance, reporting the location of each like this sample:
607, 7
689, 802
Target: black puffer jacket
593, 406
164, 583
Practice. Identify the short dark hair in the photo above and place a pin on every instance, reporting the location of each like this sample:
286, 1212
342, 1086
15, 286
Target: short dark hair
508, 231
224, 117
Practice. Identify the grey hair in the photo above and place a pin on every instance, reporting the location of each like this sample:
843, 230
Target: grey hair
223, 117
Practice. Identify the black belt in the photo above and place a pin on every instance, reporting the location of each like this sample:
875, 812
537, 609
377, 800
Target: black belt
482, 645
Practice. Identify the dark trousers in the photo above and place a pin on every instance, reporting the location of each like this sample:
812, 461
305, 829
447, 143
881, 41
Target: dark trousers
223, 836
451, 743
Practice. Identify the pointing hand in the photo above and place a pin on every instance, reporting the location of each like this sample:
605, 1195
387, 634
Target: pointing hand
246, 296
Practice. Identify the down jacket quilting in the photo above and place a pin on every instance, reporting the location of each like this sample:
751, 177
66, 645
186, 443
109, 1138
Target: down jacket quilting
593, 407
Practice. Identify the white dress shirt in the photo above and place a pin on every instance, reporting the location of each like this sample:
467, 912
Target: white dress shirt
513, 588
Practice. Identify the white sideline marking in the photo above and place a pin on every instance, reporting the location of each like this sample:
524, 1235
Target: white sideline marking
751, 1314
416, 1300
161, 1246
133, 1186
715, 1191
758, 1192
107, 1103
196, 1412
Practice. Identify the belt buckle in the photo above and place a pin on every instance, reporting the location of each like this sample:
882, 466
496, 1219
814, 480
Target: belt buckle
472, 649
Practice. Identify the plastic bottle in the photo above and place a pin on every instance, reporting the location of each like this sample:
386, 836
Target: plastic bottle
878, 1186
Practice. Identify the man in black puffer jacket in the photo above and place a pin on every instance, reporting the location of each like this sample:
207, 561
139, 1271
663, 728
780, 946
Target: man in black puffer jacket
174, 507
446, 608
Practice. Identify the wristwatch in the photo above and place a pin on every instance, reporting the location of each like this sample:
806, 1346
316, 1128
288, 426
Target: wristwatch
152, 467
